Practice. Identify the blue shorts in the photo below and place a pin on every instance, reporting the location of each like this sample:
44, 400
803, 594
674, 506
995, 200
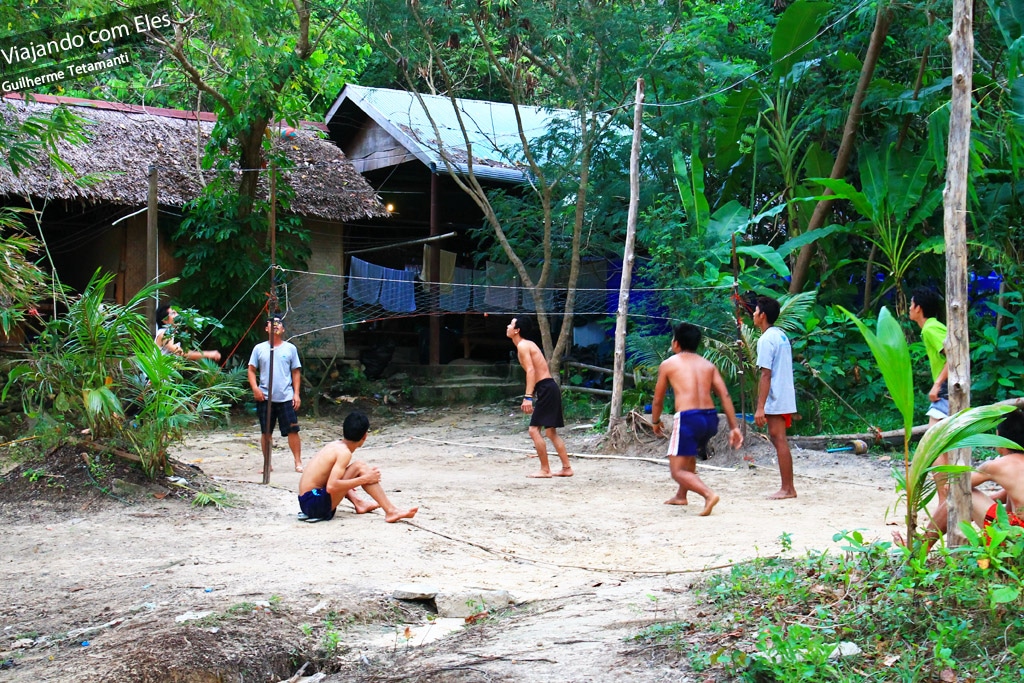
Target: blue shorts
316, 504
282, 413
691, 432
940, 409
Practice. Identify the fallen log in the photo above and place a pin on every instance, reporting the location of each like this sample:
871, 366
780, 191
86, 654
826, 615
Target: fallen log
893, 436
822, 441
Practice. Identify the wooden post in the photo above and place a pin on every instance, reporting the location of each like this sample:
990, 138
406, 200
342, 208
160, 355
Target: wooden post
266, 443
958, 358
435, 270
618, 379
152, 235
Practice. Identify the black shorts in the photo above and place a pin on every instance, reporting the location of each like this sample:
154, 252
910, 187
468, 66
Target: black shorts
282, 413
547, 405
316, 504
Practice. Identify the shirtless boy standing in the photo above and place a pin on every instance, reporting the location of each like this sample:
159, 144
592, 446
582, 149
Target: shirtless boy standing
542, 402
332, 475
692, 378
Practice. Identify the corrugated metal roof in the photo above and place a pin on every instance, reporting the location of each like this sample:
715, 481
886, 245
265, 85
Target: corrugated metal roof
491, 128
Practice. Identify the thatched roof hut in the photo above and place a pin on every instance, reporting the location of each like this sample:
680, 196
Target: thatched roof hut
127, 139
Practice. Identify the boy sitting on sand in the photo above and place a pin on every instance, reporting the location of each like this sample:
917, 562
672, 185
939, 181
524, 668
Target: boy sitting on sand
332, 475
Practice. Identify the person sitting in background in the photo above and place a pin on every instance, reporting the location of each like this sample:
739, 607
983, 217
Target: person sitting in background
165, 316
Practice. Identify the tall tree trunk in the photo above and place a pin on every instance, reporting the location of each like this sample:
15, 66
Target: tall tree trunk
883, 18
251, 159
958, 358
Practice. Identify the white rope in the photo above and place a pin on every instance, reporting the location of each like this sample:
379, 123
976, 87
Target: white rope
595, 456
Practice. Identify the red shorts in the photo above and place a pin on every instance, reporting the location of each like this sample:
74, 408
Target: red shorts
788, 417
990, 517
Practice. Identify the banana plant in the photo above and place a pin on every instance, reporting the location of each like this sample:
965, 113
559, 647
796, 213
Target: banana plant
715, 230
966, 429
897, 198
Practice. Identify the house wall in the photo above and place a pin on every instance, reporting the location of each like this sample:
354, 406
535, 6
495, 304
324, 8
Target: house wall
372, 147
131, 259
316, 299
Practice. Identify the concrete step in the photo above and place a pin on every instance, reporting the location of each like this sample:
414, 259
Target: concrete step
460, 381
463, 392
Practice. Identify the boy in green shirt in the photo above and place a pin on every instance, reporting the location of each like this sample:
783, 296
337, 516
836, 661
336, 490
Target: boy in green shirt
925, 306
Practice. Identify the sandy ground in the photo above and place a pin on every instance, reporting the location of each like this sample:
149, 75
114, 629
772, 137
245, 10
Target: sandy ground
591, 559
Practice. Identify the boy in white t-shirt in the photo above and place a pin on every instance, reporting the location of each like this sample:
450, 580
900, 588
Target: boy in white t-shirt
776, 395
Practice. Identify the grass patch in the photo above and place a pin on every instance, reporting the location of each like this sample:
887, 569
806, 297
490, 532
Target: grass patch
953, 614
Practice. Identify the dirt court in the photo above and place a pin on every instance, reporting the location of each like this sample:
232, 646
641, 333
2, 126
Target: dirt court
105, 591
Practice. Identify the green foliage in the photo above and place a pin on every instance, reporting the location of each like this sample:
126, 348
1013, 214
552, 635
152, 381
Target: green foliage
219, 498
223, 247
966, 429
889, 347
164, 399
97, 367
78, 359
912, 619
23, 284
997, 364
898, 200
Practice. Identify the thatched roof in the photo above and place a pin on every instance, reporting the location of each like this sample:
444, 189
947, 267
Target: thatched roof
127, 139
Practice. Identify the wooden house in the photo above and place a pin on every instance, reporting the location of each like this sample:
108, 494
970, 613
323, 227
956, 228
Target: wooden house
104, 224
400, 142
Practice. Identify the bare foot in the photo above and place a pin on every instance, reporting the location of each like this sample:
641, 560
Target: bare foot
362, 507
298, 468
540, 475
531, 455
782, 494
564, 472
674, 500
400, 514
709, 504
271, 469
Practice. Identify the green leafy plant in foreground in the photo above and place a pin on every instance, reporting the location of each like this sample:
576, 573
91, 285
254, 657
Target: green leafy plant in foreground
966, 429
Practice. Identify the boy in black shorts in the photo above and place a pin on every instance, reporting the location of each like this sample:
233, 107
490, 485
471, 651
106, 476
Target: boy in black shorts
542, 402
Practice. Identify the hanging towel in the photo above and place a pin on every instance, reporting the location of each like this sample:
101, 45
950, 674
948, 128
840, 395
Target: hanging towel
461, 291
398, 290
364, 281
447, 269
502, 293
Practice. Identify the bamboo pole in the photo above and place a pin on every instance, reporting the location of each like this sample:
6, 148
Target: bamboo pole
267, 443
615, 412
152, 235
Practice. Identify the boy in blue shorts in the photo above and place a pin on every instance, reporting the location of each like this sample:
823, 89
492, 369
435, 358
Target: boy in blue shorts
692, 379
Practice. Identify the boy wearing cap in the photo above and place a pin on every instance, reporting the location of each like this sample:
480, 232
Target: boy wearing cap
287, 383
